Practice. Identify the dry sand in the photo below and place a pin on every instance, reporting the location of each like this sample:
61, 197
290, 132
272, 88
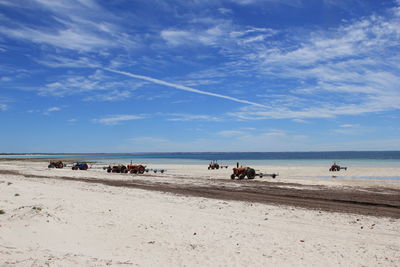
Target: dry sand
52, 221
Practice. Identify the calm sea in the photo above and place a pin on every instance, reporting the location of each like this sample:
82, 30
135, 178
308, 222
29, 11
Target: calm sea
349, 158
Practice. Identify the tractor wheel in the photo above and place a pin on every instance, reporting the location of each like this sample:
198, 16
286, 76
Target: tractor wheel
251, 173
162, 171
108, 170
241, 176
51, 166
217, 167
209, 167
141, 170
233, 176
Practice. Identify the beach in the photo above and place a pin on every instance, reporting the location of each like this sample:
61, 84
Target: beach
192, 216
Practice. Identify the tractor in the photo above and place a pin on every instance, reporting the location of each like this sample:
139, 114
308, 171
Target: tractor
214, 165
56, 164
242, 172
117, 169
336, 168
80, 166
136, 169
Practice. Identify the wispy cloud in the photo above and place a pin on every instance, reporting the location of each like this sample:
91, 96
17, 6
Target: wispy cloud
350, 70
72, 25
192, 117
348, 125
51, 110
3, 107
117, 119
230, 133
96, 86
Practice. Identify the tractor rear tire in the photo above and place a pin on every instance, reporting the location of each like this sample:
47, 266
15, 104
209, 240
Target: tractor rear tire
251, 173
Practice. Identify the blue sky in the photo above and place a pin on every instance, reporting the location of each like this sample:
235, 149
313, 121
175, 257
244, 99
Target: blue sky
199, 75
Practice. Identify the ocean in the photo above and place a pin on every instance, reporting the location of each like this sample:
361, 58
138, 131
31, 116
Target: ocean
349, 158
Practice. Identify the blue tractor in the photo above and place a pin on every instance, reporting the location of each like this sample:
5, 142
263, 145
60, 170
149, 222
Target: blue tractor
80, 166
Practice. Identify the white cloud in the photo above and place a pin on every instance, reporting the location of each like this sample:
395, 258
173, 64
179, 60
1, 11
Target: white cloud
348, 125
75, 25
191, 117
95, 87
3, 107
116, 119
112, 95
75, 39
53, 109
350, 70
230, 133
48, 111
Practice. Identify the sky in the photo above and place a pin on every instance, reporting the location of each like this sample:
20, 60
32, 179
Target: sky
199, 75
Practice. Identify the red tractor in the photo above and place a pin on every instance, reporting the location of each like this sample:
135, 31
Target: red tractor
242, 172
56, 164
213, 165
136, 169
336, 168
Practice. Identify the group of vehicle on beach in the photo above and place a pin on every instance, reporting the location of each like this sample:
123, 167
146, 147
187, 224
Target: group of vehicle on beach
120, 168
238, 172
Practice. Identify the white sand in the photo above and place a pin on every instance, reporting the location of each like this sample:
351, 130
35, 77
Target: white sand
63, 223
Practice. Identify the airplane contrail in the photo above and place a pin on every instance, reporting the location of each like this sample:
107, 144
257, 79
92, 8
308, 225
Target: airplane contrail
183, 88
